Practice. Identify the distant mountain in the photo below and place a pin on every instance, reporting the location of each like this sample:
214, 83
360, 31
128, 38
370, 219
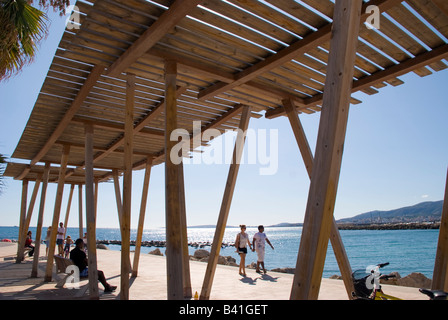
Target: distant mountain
286, 224
422, 212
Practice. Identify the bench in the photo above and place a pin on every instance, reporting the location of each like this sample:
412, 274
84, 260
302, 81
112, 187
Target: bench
61, 268
25, 251
62, 264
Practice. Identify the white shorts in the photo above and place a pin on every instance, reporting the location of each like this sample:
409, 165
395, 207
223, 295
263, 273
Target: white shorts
260, 255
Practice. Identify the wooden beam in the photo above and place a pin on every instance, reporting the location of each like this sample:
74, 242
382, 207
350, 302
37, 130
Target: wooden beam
140, 125
329, 149
90, 214
299, 134
138, 128
89, 83
225, 204
168, 20
210, 71
188, 293
95, 198
442, 5
141, 218
26, 224
24, 201
440, 274
294, 50
40, 220
119, 205
56, 212
81, 226
117, 195
127, 186
307, 156
24, 173
117, 127
397, 70
226, 116
172, 203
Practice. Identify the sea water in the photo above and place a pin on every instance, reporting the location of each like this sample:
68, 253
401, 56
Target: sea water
407, 251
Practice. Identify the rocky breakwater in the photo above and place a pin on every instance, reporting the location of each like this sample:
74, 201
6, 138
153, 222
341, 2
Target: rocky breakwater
203, 256
415, 280
162, 243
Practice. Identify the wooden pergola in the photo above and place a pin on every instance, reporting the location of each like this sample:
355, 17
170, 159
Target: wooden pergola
133, 71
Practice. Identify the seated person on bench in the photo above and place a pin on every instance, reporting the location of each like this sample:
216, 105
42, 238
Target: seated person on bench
79, 258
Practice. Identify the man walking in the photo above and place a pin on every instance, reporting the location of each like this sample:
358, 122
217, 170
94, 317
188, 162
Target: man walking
258, 244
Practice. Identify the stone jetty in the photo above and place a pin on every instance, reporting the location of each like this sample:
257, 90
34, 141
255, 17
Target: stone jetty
162, 243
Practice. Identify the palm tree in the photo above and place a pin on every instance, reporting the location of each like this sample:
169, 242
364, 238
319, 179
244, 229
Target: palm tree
22, 27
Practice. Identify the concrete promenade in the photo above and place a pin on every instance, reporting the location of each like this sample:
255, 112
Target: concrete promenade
16, 284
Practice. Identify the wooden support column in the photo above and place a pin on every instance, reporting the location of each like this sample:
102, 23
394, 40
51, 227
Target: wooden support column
119, 204
188, 293
141, 218
127, 187
335, 237
117, 195
29, 214
174, 262
20, 245
57, 212
440, 275
330, 142
67, 212
26, 224
40, 220
225, 204
90, 213
96, 184
81, 225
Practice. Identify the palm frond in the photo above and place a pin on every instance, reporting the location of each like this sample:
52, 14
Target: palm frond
23, 26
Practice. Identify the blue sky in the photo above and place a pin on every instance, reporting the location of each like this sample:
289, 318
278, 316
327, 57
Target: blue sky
395, 155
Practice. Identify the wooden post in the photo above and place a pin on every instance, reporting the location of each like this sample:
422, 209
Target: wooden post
117, 195
29, 214
20, 245
96, 186
127, 187
225, 205
57, 212
81, 226
40, 220
174, 262
330, 142
141, 218
440, 275
67, 212
90, 213
335, 237
119, 205
188, 293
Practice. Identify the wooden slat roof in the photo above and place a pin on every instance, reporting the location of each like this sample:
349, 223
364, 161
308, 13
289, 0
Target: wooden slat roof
229, 53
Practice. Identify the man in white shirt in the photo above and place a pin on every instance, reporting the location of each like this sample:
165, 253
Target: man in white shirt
258, 244
60, 238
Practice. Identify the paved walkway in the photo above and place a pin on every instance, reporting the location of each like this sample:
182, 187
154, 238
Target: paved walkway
16, 284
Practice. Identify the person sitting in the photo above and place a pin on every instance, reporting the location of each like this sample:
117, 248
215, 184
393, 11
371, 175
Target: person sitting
79, 258
29, 244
